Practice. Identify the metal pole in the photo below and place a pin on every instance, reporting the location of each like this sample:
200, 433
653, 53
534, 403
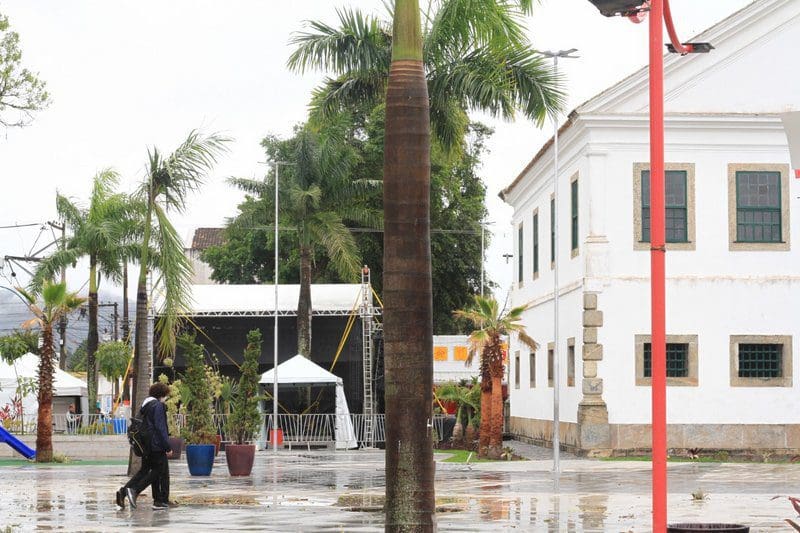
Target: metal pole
275, 347
483, 254
556, 366
657, 259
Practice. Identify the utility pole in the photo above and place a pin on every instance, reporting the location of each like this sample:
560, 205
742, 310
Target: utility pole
126, 327
116, 321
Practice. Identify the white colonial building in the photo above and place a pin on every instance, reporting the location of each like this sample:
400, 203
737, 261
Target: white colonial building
733, 270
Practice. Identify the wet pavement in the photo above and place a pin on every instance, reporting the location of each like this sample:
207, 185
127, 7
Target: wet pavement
298, 491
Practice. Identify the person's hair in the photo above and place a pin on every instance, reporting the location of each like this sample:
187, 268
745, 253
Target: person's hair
158, 390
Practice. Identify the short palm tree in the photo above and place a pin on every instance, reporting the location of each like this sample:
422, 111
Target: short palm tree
317, 196
168, 181
57, 302
492, 324
102, 232
475, 56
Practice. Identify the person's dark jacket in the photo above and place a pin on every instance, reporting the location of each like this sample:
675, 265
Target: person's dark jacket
155, 413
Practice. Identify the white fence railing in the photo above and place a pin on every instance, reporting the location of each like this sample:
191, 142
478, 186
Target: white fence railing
306, 429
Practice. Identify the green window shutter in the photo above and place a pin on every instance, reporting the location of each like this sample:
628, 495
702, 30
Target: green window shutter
520, 244
675, 203
758, 206
677, 360
574, 214
536, 243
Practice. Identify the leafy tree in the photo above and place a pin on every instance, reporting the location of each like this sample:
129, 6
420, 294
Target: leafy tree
17, 344
57, 302
407, 312
475, 56
103, 232
21, 91
317, 195
112, 361
492, 324
76, 361
199, 422
244, 422
168, 181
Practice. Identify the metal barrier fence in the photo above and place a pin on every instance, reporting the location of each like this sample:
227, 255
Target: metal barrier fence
297, 429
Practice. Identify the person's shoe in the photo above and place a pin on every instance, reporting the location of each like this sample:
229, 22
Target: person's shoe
120, 498
131, 494
160, 506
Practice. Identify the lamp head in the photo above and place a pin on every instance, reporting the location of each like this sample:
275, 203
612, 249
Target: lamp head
623, 8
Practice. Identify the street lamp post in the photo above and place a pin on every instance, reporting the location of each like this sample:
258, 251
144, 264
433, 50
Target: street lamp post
566, 54
274, 434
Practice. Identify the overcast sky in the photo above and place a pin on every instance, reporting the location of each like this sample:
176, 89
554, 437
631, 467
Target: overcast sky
126, 75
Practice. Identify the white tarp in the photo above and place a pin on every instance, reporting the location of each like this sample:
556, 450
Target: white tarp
260, 299
27, 367
300, 370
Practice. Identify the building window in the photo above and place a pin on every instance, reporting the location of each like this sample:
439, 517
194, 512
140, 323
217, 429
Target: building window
761, 360
516, 370
552, 232
681, 360
679, 216
535, 244
520, 245
675, 202
550, 378
574, 215
758, 207
677, 360
571, 362
532, 369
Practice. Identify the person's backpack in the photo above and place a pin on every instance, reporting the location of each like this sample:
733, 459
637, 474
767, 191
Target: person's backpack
140, 434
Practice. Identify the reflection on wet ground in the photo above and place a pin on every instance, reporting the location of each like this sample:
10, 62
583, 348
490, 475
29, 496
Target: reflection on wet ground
339, 492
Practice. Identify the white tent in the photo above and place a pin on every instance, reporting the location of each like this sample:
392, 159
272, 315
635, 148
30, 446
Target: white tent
27, 367
300, 370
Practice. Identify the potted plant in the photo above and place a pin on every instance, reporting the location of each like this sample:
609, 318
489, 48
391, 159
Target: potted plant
245, 419
173, 412
199, 433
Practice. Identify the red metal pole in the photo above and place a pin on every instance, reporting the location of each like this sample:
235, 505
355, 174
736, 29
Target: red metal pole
657, 253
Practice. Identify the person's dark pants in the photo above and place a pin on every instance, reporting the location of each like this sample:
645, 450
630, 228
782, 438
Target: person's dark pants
154, 472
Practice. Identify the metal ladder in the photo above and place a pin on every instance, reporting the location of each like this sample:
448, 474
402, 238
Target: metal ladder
367, 312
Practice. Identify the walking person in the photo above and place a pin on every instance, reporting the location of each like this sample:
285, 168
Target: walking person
155, 467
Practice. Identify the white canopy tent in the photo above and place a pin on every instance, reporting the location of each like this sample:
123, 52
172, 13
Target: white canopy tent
300, 370
65, 386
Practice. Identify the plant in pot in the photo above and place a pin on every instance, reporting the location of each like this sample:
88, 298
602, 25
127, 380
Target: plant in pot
173, 405
215, 380
199, 433
245, 419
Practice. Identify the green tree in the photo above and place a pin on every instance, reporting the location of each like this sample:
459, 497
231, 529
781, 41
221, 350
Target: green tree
317, 196
76, 360
168, 181
21, 91
18, 343
112, 361
492, 324
102, 232
407, 312
199, 423
475, 56
244, 422
56, 303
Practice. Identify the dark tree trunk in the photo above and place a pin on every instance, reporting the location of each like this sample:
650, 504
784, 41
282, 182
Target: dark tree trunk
408, 311
142, 357
126, 326
44, 424
486, 415
92, 340
495, 420
304, 304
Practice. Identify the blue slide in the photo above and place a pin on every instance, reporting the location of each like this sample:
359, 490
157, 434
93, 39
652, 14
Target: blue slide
16, 444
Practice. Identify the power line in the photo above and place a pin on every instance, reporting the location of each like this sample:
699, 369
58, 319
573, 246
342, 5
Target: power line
21, 225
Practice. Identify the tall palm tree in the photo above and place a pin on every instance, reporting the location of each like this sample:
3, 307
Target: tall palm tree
487, 341
317, 195
407, 288
168, 181
475, 56
102, 232
57, 302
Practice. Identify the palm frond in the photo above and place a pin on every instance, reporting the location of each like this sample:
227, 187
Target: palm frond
346, 92
251, 186
50, 267
72, 214
339, 244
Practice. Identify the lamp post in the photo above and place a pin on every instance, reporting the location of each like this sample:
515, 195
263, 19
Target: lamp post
566, 54
275, 333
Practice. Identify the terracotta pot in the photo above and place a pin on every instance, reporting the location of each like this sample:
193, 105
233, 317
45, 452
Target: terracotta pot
176, 443
216, 444
240, 458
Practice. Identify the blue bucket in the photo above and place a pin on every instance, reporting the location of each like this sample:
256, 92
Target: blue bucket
200, 459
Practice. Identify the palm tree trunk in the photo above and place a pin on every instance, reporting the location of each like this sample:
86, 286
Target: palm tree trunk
44, 425
126, 325
92, 340
142, 358
304, 304
496, 421
486, 416
408, 312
